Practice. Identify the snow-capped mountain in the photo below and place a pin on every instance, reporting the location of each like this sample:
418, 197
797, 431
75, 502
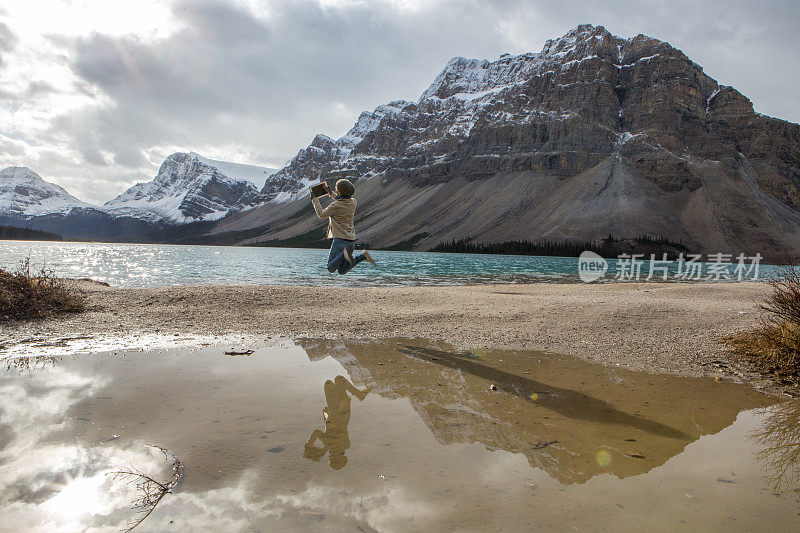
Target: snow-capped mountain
24, 193
186, 189
594, 134
28, 201
465, 91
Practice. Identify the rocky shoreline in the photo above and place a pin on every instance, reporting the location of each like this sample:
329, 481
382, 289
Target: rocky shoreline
658, 327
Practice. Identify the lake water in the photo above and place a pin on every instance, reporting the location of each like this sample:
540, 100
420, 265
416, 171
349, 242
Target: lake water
154, 265
392, 435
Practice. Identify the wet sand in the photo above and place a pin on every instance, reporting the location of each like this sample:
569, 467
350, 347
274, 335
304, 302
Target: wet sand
657, 327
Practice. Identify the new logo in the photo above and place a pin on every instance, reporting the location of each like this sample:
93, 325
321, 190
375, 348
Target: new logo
591, 266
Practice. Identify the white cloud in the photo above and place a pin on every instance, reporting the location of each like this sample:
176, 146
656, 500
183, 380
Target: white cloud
96, 94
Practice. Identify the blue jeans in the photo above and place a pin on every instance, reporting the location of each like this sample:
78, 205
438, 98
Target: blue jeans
336, 260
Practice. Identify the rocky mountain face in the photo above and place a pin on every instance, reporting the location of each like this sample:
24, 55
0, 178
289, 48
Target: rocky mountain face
593, 135
188, 188
323, 152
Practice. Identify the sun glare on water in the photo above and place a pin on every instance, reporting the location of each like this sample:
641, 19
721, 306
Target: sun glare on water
77, 498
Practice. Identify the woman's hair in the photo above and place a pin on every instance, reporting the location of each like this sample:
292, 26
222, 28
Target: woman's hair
346, 189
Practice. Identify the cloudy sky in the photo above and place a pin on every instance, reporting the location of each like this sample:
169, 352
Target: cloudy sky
96, 93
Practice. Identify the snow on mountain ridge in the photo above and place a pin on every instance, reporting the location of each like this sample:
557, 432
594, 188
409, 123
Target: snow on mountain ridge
187, 188
461, 91
366, 123
324, 149
463, 75
254, 173
24, 193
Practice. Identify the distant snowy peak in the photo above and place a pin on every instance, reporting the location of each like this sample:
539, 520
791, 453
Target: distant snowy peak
24, 193
186, 189
582, 41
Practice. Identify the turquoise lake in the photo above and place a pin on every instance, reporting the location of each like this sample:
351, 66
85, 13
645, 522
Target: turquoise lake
157, 265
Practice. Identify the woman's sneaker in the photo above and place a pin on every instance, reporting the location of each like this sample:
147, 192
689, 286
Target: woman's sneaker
347, 256
368, 258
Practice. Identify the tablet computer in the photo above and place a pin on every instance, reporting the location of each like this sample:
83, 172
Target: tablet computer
320, 189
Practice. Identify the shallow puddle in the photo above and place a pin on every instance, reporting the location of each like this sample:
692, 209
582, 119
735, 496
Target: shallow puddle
386, 435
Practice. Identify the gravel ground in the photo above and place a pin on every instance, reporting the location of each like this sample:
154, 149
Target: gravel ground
659, 327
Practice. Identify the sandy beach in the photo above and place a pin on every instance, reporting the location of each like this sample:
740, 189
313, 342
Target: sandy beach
659, 327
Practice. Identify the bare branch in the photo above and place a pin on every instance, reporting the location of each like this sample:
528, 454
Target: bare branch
780, 437
152, 491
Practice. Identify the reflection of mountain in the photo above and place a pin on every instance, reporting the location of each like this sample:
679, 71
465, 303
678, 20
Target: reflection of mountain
573, 419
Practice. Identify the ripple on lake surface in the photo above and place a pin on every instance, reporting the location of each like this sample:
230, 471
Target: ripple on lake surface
388, 435
157, 265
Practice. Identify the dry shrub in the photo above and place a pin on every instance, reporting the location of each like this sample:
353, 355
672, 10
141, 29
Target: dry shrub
26, 294
774, 347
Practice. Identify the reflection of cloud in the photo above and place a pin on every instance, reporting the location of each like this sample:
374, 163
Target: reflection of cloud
67, 488
220, 415
38, 349
32, 409
50, 486
237, 507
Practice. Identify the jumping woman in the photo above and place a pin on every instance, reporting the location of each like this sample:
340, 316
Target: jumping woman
340, 213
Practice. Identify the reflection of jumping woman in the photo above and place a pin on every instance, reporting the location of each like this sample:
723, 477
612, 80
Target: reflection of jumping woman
335, 439
340, 213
